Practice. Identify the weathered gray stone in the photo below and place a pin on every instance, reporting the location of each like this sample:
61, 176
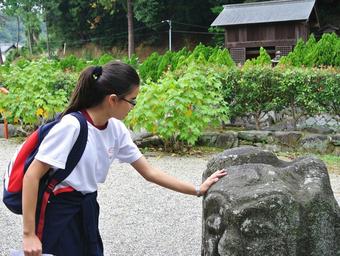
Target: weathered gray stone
322, 121
335, 139
153, 141
327, 117
254, 136
310, 121
227, 140
207, 139
333, 123
269, 207
245, 143
138, 136
317, 143
241, 155
336, 151
287, 139
319, 129
272, 147
215, 139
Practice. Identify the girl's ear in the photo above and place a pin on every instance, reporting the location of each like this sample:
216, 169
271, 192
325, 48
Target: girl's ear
113, 98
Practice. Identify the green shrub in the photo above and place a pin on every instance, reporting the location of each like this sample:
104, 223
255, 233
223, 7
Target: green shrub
325, 52
325, 85
221, 57
180, 105
230, 79
36, 92
72, 63
149, 68
298, 92
255, 93
102, 60
156, 65
262, 60
133, 61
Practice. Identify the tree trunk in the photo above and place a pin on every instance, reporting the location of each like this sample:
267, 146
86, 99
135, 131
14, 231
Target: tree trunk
18, 33
131, 43
29, 40
294, 114
47, 38
1, 60
257, 120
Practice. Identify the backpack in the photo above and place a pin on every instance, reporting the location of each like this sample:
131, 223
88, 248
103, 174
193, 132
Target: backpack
13, 179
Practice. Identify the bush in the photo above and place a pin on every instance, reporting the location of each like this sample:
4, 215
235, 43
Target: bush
72, 63
325, 52
221, 57
180, 105
262, 60
325, 85
102, 60
149, 68
156, 65
133, 61
37, 92
255, 92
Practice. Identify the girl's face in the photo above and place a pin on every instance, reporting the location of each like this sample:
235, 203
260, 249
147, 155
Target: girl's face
122, 106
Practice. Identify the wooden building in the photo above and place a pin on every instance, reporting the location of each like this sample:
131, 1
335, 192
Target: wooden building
274, 25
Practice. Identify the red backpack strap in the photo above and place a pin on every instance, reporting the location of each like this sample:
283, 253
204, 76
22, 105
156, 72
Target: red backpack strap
44, 201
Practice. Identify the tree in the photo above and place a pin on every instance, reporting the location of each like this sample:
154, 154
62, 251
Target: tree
131, 40
2, 21
110, 5
30, 14
47, 7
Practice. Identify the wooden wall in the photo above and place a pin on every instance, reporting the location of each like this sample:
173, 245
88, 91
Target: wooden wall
270, 34
244, 41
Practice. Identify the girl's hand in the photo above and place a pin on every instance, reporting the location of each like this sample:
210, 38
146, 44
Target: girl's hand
32, 245
213, 178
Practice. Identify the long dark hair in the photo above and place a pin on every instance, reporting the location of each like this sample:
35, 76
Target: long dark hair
95, 82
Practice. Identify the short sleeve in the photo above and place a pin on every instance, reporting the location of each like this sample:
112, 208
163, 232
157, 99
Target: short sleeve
58, 143
128, 151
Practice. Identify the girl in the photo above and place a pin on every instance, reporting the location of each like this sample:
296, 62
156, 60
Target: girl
104, 95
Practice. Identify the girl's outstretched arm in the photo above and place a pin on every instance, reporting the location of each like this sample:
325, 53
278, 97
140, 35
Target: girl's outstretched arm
156, 176
31, 243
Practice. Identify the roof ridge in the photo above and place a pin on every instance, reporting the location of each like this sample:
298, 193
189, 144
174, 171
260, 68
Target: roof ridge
265, 3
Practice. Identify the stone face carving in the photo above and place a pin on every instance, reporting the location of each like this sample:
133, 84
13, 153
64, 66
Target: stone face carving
265, 206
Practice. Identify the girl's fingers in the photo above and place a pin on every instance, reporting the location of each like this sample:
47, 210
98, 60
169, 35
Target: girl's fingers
213, 179
219, 173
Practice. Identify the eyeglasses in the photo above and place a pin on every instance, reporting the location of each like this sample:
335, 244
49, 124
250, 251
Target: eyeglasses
133, 102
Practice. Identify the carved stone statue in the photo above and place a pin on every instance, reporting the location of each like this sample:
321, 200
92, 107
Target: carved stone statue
265, 206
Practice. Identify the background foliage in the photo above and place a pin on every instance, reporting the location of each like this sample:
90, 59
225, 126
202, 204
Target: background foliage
103, 22
185, 92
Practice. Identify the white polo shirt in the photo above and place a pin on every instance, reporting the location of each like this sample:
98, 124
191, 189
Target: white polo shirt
103, 146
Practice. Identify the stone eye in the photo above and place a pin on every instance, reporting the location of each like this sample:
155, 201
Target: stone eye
257, 227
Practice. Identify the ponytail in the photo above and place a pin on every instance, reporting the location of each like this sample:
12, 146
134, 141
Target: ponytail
95, 82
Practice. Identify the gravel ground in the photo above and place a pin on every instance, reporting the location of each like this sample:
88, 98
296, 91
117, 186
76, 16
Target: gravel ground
137, 218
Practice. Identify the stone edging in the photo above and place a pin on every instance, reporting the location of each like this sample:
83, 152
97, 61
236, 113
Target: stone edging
275, 141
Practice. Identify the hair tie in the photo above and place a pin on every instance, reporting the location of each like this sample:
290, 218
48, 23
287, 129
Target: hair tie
97, 72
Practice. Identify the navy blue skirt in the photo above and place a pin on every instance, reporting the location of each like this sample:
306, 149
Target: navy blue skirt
71, 225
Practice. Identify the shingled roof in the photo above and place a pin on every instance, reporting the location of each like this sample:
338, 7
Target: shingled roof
264, 12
